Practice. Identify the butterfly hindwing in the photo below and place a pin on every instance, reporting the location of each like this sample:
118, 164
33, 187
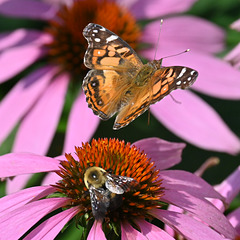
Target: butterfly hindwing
167, 79
105, 90
162, 82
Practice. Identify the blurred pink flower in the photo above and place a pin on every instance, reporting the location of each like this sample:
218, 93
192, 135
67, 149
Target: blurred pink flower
229, 189
236, 25
37, 99
233, 57
21, 210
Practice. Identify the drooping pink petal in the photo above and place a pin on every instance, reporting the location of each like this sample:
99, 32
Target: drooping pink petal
12, 61
11, 224
17, 183
151, 231
50, 178
202, 209
229, 189
233, 57
167, 228
165, 154
196, 122
38, 127
32, 9
82, 124
186, 181
21, 98
50, 228
234, 219
20, 181
128, 232
189, 227
96, 232
21, 37
13, 164
236, 25
21, 198
181, 33
156, 8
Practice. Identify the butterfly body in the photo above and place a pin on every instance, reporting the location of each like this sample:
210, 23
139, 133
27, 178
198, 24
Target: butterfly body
120, 83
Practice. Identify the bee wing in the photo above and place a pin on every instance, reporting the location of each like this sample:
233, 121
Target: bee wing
100, 200
118, 184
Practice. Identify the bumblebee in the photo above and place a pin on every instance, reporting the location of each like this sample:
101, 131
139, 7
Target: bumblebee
105, 190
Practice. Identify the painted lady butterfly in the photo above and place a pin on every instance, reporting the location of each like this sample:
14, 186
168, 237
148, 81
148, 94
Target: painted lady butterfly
120, 82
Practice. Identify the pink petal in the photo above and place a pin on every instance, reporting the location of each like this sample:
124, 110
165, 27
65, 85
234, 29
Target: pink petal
21, 198
50, 228
21, 98
186, 181
165, 154
128, 232
96, 232
28, 9
196, 122
189, 227
17, 183
229, 189
233, 57
181, 33
11, 224
12, 62
21, 37
40, 124
234, 219
51, 178
82, 124
155, 8
236, 25
151, 231
201, 209
13, 164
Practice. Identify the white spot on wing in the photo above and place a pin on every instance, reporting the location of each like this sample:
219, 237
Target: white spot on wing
192, 72
97, 39
95, 31
98, 52
178, 83
189, 78
102, 29
111, 38
181, 73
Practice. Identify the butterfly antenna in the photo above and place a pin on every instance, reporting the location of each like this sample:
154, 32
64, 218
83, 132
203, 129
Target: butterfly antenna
161, 23
174, 55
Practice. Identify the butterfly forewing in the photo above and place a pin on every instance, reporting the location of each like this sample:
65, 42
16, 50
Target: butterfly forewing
108, 51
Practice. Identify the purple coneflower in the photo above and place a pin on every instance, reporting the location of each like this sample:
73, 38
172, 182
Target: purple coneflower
133, 219
37, 100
